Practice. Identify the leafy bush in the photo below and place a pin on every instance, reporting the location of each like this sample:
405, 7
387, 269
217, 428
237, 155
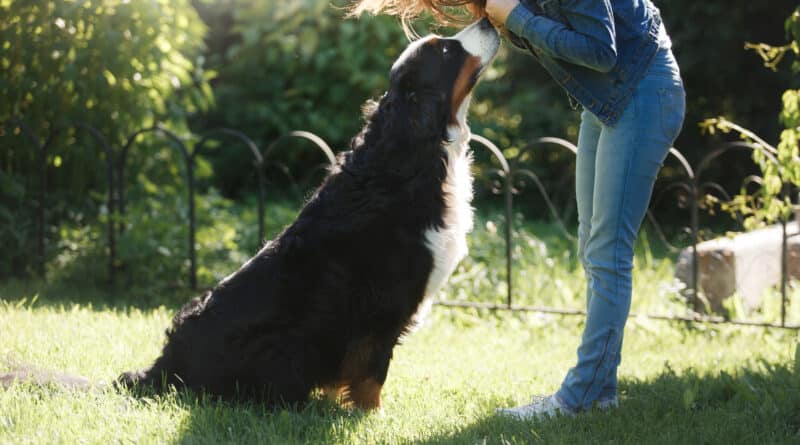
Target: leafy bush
117, 65
780, 164
720, 78
286, 66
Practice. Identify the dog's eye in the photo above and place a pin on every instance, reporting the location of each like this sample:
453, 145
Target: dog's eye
446, 50
449, 48
411, 96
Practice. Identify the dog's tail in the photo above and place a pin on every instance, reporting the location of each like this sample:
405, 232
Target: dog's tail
44, 378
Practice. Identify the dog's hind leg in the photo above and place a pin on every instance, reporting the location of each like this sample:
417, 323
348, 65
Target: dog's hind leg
281, 377
333, 392
157, 377
367, 376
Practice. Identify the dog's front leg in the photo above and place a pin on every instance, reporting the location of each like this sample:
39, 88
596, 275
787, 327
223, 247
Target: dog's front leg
366, 394
365, 368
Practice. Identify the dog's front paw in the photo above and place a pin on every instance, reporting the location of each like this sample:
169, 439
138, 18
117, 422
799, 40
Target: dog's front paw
365, 394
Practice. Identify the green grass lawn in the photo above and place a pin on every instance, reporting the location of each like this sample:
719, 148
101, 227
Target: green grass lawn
679, 385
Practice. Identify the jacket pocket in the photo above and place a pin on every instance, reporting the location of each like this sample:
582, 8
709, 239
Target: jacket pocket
673, 109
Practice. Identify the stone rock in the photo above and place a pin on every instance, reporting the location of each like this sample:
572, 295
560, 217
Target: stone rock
746, 264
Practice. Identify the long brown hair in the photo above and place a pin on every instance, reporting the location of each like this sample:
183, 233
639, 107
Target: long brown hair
445, 12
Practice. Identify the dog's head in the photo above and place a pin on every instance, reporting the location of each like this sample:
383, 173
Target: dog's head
431, 81
426, 103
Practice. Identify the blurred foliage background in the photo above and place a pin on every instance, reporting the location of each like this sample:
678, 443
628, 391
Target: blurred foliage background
116, 65
265, 67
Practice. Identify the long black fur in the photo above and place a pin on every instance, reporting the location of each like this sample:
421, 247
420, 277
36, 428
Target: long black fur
345, 278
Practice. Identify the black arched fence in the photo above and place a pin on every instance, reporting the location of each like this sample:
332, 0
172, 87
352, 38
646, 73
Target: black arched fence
692, 188
511, 177
116, 167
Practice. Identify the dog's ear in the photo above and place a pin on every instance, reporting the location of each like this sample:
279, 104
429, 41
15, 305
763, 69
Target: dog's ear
389, 116
401, 135
427, 114
410, 115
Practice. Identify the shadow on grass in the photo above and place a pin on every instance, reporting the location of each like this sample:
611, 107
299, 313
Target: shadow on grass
98, 296
749, 407
213, 421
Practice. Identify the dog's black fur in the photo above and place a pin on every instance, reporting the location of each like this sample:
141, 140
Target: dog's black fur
324, 303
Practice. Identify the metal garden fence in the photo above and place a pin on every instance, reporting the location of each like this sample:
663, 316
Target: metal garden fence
510, 176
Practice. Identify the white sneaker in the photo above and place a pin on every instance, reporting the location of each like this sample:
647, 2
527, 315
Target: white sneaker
541, 407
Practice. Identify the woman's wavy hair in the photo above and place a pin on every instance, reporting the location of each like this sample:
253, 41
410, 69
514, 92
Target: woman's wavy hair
444, 12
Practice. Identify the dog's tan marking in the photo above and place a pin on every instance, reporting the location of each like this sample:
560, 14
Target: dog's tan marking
463, 84
354, 387
333, 392
365, 394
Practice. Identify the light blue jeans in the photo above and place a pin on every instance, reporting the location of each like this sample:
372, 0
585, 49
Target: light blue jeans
615, 171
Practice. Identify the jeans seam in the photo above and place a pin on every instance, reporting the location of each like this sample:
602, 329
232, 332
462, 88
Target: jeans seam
597, 368
623, 202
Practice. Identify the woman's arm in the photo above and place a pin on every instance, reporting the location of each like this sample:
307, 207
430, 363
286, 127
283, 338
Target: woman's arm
588, 39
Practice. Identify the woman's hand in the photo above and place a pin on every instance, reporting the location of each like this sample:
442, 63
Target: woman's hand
498, 10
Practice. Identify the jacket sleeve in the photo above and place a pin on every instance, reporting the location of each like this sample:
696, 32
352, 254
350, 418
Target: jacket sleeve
587, 38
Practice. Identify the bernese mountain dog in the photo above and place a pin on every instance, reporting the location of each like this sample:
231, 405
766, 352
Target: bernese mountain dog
324, 304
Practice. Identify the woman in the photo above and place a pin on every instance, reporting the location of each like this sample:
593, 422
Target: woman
614, 58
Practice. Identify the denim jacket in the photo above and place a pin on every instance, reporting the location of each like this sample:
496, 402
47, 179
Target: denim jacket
597, 50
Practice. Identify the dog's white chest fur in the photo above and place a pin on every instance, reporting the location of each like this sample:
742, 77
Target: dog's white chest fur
448, 244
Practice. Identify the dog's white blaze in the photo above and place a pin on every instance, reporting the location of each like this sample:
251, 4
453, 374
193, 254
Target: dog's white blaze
478, 42
448, 244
